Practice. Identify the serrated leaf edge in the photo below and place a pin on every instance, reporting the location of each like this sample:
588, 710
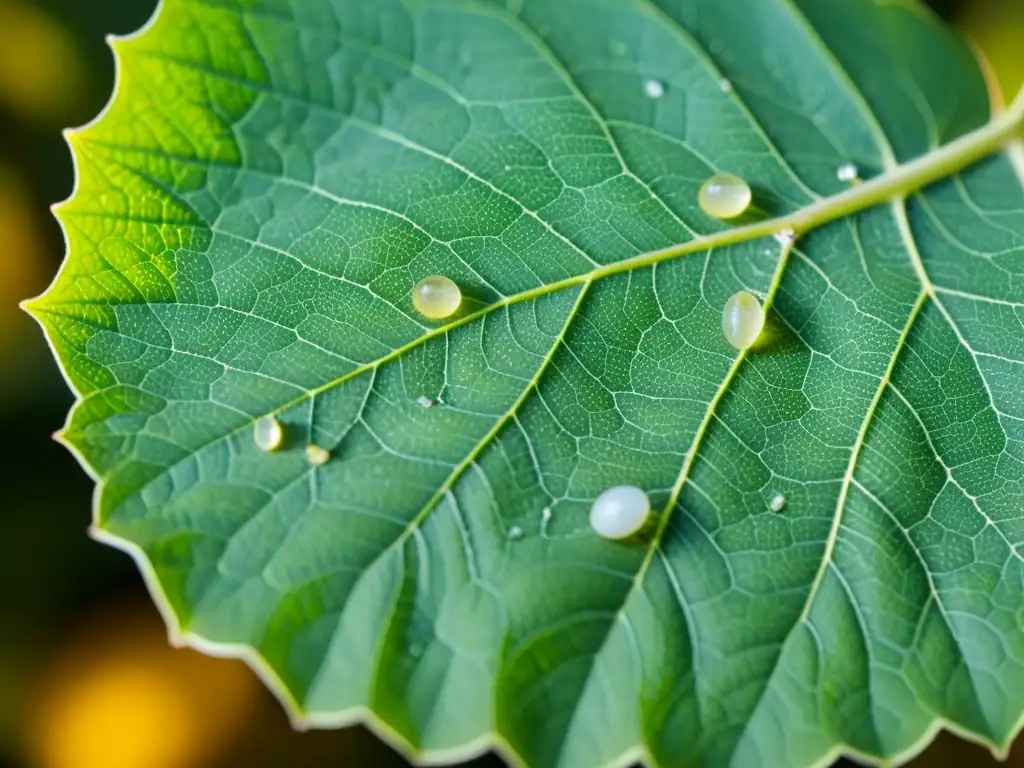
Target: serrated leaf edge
1004, 132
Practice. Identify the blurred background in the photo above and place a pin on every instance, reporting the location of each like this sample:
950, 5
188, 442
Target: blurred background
87, 679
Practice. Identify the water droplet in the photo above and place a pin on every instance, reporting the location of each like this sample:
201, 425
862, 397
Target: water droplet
848, 172
424, 402
777, 503
725, 84
620, 512
654, 89
742, 320
268, 433
785, 237
316, 455
436, 297
724, 196
515, 533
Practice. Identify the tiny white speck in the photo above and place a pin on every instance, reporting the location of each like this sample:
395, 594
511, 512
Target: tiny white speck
515, 533
654, 89
545, 514
424, 401
619, 48
777, 503
847, 172
316, 455
785, 237
508, 167
725, 85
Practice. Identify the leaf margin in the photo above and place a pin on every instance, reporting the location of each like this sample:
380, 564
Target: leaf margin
1002, 134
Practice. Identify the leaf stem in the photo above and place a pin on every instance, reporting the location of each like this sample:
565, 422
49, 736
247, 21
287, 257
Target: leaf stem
897, 183
901, 181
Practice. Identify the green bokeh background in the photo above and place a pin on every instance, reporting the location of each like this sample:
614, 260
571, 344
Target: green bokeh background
67, 603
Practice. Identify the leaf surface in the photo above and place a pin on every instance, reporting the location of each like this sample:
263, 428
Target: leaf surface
273, 177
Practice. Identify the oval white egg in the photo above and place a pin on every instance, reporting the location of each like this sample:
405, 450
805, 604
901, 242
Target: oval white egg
268, 433
724, 196
436, 297
620, 512
742, 320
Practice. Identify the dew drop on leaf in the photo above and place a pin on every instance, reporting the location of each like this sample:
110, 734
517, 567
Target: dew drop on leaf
620, 512
268, 433
436, 297
316, 455
724, 196
742, 320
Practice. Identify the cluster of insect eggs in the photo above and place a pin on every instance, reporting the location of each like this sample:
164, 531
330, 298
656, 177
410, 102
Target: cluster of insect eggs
723, 196
623, 510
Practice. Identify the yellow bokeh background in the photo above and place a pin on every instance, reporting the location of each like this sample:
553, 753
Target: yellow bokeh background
119, 696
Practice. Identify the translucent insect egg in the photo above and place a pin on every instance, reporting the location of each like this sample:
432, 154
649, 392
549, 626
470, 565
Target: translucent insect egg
515, 533
436, 297
654, 89
778, 503
724, 196
620, 512
316, 455
742, 320
268, 433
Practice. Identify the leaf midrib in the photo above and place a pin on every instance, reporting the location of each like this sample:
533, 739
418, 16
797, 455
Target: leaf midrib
897, 183
902, 180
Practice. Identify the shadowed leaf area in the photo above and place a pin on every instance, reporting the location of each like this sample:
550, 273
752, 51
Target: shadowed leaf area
836, 560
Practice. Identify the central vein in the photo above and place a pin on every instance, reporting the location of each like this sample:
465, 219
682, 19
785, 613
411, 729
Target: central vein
899, 182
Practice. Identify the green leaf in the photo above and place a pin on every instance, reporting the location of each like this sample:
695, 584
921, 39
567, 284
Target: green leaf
273, 177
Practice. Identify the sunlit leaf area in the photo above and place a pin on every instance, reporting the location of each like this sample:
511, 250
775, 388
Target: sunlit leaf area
572, 338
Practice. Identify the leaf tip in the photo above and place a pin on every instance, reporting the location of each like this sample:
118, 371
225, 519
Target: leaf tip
36, 307
30, 306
